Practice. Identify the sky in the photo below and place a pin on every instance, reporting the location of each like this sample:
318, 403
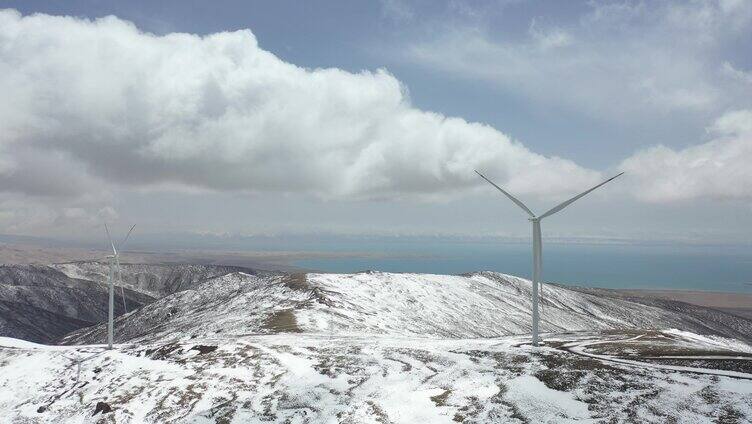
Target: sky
359, 118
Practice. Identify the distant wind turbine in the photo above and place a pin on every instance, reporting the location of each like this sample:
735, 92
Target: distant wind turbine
114, 261
538, 243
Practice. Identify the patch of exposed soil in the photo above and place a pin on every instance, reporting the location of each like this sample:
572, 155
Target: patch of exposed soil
282, 322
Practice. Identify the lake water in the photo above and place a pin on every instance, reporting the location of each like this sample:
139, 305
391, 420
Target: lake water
710, 268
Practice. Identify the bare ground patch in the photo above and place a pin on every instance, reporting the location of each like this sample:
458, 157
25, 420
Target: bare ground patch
282, 322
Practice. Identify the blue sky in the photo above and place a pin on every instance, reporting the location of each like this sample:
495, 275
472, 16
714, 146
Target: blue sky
546, 97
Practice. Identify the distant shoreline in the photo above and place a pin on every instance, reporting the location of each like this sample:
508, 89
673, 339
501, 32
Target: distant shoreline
735, 303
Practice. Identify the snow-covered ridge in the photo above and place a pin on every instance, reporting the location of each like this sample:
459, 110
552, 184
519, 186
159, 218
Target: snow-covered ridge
156, 280
423, 305
384, 347
42, 303
317, 378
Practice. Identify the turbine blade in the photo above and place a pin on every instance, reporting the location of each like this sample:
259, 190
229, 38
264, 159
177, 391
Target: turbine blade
114, 252
126, 237
512, 198
572, 200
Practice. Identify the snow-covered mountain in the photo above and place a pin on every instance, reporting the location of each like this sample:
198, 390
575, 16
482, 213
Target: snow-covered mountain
413, 305
43, 303
229, 346
156, 280
319, 378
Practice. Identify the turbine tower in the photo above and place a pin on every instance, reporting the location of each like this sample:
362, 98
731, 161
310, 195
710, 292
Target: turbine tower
114, 261
538, 243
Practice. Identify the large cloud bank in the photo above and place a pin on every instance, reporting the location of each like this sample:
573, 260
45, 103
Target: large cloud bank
718, 169
91, 102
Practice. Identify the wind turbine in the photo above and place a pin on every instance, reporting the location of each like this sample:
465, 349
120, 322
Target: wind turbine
114, 261
538, 243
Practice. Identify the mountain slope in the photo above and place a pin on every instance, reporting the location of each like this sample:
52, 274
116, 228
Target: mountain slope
27, 322
378, 347
234, 303
41, 304
317, 378
156, 280
422, 305
714, 320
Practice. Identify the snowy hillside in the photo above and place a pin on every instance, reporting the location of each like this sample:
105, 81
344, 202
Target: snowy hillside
379, 348
307, 378
41, 304
156, 280
422, 305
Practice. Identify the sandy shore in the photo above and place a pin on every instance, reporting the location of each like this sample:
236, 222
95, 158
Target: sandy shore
736, 303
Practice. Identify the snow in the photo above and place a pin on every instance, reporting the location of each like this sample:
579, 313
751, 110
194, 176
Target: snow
712, 341
376, 347
317, 378
736, 385
413, 305
155, 280
541, 404
17, 343
581, 348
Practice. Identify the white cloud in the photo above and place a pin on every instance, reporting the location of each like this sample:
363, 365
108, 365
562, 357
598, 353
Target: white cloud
102, 101
549, 38
717, 169
622, 61
742, 77
45, 216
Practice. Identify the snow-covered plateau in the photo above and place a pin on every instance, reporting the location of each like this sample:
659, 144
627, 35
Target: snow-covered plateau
236, 346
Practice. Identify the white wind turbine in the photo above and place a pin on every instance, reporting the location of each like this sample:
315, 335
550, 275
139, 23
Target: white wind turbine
538, 243
114, 261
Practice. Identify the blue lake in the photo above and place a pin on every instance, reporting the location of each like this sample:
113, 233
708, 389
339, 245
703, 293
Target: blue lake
711, 268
